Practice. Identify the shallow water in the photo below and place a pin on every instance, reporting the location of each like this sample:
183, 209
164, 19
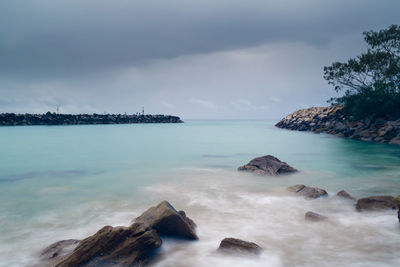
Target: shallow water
68, 181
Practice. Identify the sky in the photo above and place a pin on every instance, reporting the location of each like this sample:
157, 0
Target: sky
209, 59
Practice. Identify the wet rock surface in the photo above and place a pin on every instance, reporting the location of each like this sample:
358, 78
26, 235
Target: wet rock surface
307, 191
234, 245
267, 165
344, 194
11, 119
376, 203
332, 120
123, 246
314, 217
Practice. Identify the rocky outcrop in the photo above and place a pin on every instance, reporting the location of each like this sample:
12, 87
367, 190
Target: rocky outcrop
234, 245
376, 203
267, 165
332, 120
57, 251
167, 221
308, 192
314, 217
344, 194
127, 246
11, 119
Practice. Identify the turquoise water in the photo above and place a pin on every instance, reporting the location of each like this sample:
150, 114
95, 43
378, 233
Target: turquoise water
62, 182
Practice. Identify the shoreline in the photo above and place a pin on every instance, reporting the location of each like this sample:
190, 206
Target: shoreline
331, 120
12, 119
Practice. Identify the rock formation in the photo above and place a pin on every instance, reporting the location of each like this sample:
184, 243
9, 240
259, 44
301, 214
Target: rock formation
233, 245
308, 192
332, 120
57, 251
267, 165
344, 194
127, 246
314, 217
376, 203
11, 119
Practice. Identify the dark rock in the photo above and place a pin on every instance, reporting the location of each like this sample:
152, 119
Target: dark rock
267, 165
376, 203
344, 194
314, 217
57, 251
233, 245
167, 221
308, 192
115, 246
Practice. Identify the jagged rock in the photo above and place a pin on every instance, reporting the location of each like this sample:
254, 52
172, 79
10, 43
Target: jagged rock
376, 203
167, 221
344, 194
115, 246
57, 251
267, 165
234, 245
308, 192
314, 217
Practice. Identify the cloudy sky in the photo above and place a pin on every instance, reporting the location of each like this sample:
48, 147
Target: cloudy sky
212, 59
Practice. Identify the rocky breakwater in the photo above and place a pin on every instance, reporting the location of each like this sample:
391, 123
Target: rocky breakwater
332, 120
11, 119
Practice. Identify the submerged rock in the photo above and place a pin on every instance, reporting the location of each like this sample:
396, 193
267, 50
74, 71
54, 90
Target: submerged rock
344, 194
376, 203
308, 192
267, 165
167, 221
236, 245
57, 251
129, 246
314, 217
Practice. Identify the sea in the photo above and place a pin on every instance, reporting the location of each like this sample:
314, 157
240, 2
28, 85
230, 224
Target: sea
63, 182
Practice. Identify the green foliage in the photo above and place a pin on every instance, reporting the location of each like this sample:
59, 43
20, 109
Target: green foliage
371, 81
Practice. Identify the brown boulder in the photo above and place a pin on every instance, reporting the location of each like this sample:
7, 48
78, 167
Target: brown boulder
232, 245
308, 192
57, 251
314, 217
168, 221
376, 203
267, 165
115, 246
344, 194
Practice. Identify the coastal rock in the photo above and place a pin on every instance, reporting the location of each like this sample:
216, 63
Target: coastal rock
376, 203
115, 246
308, 192
167, 221
314, 217
57, 251
234, 245
267, 165
344, 194
332, 120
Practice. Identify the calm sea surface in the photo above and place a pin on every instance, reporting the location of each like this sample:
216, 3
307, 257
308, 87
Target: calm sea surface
62, 182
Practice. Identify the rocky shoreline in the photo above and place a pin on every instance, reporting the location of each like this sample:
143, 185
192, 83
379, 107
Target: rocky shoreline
332, 120
12, 119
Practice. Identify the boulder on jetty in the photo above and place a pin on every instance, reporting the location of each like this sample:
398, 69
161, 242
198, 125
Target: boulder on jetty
167, 221
234, 245
308, 192
344, 194
376, 203
131, 246
267, 165
332, 120
314, 217
57, 251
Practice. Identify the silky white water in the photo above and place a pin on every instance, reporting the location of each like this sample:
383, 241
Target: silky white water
68, 181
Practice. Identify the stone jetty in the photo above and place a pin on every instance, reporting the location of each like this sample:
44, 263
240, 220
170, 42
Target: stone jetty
11, 119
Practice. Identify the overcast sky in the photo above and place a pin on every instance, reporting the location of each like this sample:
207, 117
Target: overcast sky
211, 59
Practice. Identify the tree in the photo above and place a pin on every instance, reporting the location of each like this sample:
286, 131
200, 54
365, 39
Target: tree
371, 81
